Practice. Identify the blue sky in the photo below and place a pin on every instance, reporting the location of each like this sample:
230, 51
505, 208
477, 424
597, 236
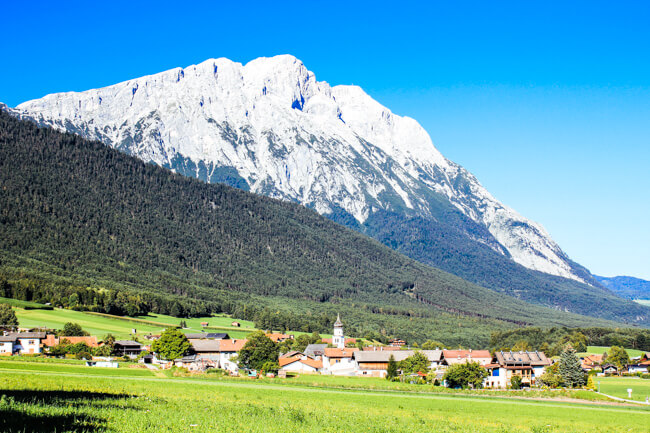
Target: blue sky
548, 104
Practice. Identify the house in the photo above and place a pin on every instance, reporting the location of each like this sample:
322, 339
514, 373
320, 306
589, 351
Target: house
300, 364
204, 324
315, 350
235, 324
451, 357
227, 351
610, 369
52, 340
196, 363
375, 362
638, 368
592, 361
279, 338
338, 361
127, 348
527, 365
23, 343
396, 342
7, 343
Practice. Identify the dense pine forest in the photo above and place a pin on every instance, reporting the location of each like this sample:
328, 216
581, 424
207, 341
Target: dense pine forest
87, 227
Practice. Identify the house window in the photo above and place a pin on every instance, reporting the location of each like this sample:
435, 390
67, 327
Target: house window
31, 342
495, 372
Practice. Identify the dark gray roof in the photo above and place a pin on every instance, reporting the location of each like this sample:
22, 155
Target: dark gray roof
315, 349
205, 345
35, 335
208, 335
522, 358
127, 343
398, 355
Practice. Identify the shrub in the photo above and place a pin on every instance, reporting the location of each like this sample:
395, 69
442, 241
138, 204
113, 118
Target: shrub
465, 374
515, 382
84, 355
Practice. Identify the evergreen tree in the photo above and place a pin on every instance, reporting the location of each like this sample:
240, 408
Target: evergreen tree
8, 317
391, 371
570, 369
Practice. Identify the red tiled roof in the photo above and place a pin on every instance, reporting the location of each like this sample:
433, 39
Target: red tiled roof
307, 361
335, 352
231, 345
467, 354
51, 340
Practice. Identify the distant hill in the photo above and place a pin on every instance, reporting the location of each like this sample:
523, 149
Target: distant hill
627, 287
74, 211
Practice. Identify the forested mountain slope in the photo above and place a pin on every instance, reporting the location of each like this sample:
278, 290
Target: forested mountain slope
627, 287
79, 212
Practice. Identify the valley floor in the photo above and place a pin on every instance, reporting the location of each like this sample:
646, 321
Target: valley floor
66, 397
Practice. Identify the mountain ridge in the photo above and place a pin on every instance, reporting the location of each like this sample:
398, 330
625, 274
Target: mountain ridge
271, 127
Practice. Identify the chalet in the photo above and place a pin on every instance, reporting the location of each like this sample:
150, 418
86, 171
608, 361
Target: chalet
396, 342
610, 369
339, 361
451, 357
204, 324
235, 324
52, 340
528, 365
300, 364
127, 348
375, 362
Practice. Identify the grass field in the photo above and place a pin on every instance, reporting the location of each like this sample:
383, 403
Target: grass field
101, 324
38, 397
618, 386
599, 350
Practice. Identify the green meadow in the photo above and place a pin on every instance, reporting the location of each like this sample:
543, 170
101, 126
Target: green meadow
599, 350
618, 386
40, 397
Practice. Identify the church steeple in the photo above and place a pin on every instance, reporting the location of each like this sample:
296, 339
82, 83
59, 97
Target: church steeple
338, 339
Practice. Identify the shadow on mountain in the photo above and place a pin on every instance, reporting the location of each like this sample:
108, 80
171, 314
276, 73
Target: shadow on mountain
53, 411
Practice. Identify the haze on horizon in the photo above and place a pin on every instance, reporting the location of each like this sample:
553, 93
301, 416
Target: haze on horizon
547, 106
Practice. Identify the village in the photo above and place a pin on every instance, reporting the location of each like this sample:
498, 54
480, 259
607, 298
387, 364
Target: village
337, 356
